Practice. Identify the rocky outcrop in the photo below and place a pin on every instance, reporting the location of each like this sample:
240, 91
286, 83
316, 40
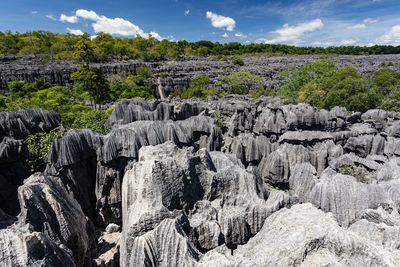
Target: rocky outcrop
231, 181
227, 205
22, 123
304, 236
15, 127
47, 207
51, 229
174, 75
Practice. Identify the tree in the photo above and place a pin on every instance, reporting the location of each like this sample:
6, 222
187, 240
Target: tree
243, 82
84, 50
197, 87
93, 81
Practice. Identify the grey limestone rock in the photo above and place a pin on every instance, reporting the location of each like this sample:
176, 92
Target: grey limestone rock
47, 207
21, 123
73, 159
347, 198
14, 169
304, 236
189, 189
302, 180
20, 247
225, 205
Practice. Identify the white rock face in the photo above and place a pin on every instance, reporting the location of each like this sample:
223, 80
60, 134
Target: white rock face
304, 236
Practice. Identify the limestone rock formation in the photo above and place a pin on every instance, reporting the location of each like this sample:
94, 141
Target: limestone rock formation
235, 181
14, 168
174, 75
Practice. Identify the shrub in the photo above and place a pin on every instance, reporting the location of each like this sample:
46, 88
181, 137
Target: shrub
391, 101
197, 88
386, 80
298, 78
353, 171
243, 82
263, 92
3, 103
93, 119
237, 61
38, 146
134, 86
220, 120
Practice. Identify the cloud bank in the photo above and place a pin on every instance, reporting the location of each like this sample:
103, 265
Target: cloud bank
70, 19
392, 37
292, 34
75, 32
219, 21
117, 26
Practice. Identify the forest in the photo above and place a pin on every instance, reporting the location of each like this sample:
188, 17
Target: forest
60, 46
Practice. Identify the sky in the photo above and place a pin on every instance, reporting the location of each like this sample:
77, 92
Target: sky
293, 22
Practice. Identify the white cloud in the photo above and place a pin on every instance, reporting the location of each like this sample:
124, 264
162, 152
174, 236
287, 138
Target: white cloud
85, 14
370, 21
70, 19
187, 12
358, 26
292, 34
375, 1
219, 21
318, 43
75, 32
347, 42
34, 12
247, 41
392, 37
49, 16
240, 35
156, 35
117, 26
225, 35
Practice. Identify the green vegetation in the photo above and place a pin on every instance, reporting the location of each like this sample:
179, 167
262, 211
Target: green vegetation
23, 88
220, 120
322, 85
353, 171
61, 46
198, 87
236, 83
93, 119
242, 82
133, 86
237, 61
69, 104
38, 146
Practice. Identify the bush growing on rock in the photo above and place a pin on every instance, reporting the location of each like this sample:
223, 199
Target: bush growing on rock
237, 61
322, 85
38, 146
198, 88
93, 119
64, 101
134, 86
242, 82
24, 88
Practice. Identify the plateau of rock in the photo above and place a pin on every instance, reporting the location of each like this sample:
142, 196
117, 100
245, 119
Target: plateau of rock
174, 75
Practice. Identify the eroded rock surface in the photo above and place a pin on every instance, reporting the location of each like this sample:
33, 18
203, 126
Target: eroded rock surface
174, 75
231, 182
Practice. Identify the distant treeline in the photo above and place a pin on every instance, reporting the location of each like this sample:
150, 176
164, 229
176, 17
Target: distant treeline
60, 46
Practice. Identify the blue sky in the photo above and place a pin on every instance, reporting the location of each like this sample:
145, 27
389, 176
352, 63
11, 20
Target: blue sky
302, 23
